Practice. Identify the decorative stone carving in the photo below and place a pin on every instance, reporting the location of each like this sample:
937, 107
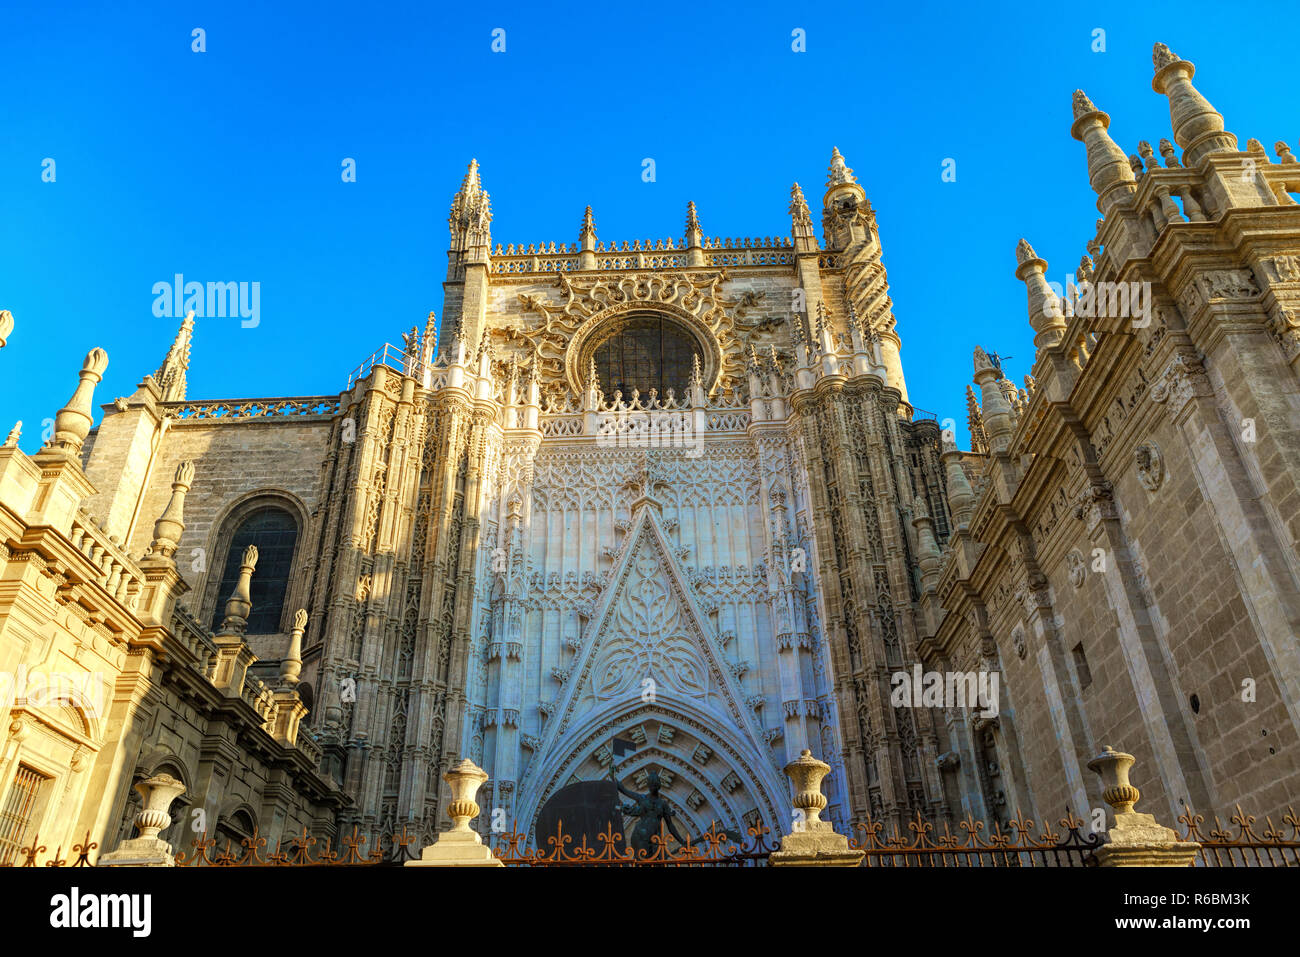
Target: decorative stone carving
1176, 383
1018, 641
1285, 268
1150, 465
1078, 570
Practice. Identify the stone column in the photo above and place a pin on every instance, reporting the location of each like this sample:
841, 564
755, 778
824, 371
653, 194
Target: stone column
147, 849
1135, 839
461, 846
812, 842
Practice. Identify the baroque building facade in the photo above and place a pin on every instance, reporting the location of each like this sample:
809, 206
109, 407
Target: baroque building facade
673, 493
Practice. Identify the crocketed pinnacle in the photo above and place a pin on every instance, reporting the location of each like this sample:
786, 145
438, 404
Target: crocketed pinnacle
170, 376
838, 172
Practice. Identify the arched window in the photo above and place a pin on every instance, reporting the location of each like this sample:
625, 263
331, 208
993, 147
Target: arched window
644, 353
275, 533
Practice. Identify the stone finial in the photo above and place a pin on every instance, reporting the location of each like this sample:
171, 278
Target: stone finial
170, 525
799, 211
1082, 105
1283, 151
982, 361
588, 228
1046, 316
1198, 126
1135, 164
1148, 155
291, 665
692, 218
1162, 56
1108, 167
11, 442
1086, 267
1169, 154
72, 424
170, 376
838, 173
6, 325
240, 604
1254, 146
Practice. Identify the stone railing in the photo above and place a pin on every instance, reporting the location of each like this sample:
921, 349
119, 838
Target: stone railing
642, 254
190, 633
231, 409
117, 573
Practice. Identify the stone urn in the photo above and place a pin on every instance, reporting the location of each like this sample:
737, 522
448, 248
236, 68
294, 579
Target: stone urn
158, 793
147, 849
806, 773
464, 779
1112, 767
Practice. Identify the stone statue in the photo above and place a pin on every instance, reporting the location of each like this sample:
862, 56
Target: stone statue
649, 809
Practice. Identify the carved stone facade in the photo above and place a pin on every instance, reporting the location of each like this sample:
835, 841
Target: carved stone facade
502, 558
1130, 556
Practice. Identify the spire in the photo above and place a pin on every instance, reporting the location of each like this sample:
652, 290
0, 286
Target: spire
799, 211
1108, 167
1045, 313
1198, 127
694, 237
470, 218
171, 374
72, 424
975, 422
995, 409
927, 548
838, 172
960, 497
588, 229
167, 530
801, 219
240, 604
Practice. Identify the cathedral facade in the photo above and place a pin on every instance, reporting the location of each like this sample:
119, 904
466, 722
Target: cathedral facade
664, 507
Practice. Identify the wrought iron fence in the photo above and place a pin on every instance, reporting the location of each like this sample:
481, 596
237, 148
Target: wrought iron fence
1239, 844
301, 850
1272, 847
715, 848
1015, 847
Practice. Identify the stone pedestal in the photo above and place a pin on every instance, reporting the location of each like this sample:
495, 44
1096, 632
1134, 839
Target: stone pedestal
813, 842
461, 846
1135, 839
147, 849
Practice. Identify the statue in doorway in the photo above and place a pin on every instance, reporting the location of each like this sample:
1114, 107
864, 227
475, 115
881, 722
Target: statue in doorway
650, 810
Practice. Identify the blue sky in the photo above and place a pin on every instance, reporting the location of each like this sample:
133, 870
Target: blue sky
225, 165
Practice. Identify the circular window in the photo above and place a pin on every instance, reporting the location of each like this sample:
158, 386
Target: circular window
644, 353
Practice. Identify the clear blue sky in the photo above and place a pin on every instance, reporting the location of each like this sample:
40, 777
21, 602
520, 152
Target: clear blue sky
225, 165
